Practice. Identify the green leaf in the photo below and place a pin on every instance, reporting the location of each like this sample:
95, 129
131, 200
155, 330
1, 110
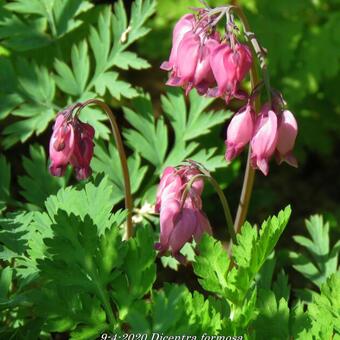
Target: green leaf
74, 251
325, 309
273, 319
67, 14
212, 265
321, 261
149, 137
84, 261
117, 88
21, 35
250, 253
73, 80
194, 122
38, 184
14, 234
281, 288
139, 272
38, 91
5, 175
5, 281
126, 60
109, 47
94, 199
108, 162
21, 6
299, 322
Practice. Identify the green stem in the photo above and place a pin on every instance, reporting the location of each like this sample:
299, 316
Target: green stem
223, 199
107, 305
123, 161
248, 181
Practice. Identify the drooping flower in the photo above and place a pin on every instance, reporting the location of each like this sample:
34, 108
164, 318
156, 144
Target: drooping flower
204, 78
61, 146
180, 222
287, 133
71, 143
239, 133
83, 150
264, 140
187, 57
189, 61
169, 187
229, 66
184, 25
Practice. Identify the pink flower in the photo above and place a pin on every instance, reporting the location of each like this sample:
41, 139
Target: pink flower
187, 57
229, 67
169, 187
61, 146
287, 133
264, 141
189, 223
204, 78
184, 25
83, 150
71, 143
239, 133
189, 61
180, 224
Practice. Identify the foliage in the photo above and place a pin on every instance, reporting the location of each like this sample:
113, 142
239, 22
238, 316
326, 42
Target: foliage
305, 64
321, 261
66, 269
34, 88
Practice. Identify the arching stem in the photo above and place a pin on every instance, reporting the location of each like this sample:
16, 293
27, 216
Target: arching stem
223, 199
122, 156
249, 176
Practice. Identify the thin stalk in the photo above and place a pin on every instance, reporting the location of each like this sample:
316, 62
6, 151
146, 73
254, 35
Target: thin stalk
107, 305
123, 161
223, 199
249, 176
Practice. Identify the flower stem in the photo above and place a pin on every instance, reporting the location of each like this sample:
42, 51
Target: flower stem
223, 199
249, 176
123, 161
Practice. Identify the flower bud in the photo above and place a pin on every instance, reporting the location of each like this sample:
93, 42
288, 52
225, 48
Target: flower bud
239, 133
264, 141
287, 133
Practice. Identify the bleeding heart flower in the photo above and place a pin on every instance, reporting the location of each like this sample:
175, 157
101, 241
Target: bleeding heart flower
229, 66
287, 132
180, 223
239, 133
184, 25
264, 140
61, 146
71, 143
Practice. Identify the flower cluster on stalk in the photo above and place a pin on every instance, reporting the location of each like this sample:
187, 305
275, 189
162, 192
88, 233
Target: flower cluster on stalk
215, 65
71, 143
181, 216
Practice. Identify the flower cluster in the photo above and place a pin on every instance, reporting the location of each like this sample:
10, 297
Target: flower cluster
215, 65
201, 59
269, 133
180, 221
71, 143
